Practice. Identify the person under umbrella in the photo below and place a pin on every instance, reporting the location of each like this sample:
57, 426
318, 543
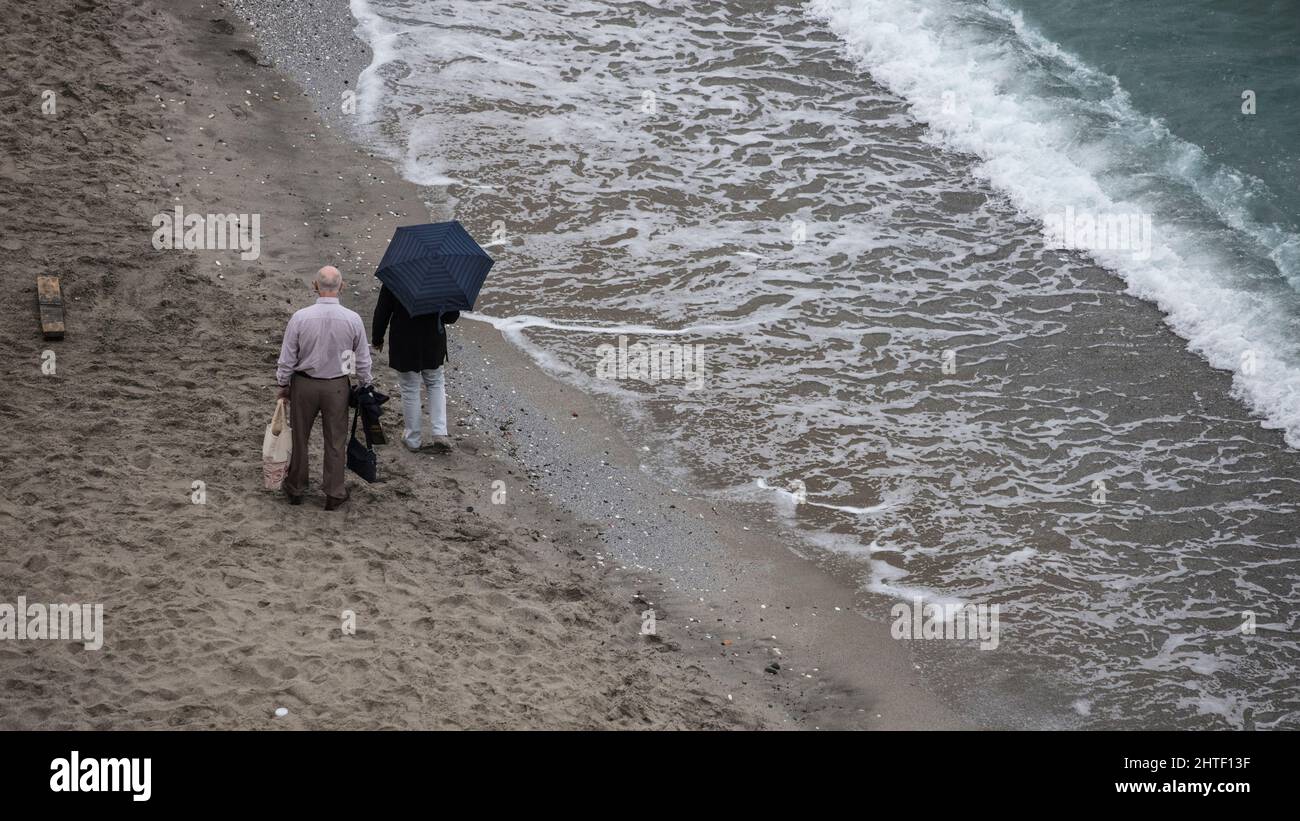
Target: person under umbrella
430, 273
417, 349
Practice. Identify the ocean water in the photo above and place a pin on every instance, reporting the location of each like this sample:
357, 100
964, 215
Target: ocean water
836, 211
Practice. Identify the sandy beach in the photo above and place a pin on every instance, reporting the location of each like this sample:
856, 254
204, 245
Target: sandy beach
469, 613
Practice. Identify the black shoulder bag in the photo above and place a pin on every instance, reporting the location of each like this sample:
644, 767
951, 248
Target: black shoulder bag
361, 458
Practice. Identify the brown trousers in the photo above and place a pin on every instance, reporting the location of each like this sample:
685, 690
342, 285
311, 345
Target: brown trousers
328, 398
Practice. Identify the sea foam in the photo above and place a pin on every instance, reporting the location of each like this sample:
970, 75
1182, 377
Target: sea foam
973, 80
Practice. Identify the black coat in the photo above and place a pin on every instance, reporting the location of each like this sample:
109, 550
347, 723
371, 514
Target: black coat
418, 344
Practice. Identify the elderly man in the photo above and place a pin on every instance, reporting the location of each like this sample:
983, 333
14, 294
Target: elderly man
323, 343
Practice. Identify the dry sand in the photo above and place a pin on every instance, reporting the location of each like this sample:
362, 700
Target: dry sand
468, 614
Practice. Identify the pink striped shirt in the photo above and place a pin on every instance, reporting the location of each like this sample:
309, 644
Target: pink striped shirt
317, 342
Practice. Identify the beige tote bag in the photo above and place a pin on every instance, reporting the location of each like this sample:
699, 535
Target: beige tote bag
277, 444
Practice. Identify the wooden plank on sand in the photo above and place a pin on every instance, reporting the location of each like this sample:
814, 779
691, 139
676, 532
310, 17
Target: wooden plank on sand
50, 299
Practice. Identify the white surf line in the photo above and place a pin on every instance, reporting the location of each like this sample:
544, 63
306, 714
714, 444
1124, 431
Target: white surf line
373, 30
546, 361
856, 511
520, 322
513, 327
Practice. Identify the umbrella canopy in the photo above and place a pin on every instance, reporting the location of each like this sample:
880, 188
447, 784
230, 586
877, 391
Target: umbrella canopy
434, 268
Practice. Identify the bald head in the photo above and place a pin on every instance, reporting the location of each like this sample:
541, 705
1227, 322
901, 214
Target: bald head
328, 281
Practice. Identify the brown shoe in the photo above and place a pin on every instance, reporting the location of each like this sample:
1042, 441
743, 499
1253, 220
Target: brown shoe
332, 503
441, 444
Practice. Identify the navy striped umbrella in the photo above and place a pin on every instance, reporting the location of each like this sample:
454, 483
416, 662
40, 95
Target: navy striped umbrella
434, 268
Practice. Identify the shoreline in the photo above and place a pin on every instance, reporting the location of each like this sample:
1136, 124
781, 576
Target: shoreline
216, 613
772, 602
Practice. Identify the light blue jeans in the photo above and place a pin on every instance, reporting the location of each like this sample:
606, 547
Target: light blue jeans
413, 383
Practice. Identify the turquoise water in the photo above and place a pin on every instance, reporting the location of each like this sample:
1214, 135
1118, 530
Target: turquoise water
1188, 62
